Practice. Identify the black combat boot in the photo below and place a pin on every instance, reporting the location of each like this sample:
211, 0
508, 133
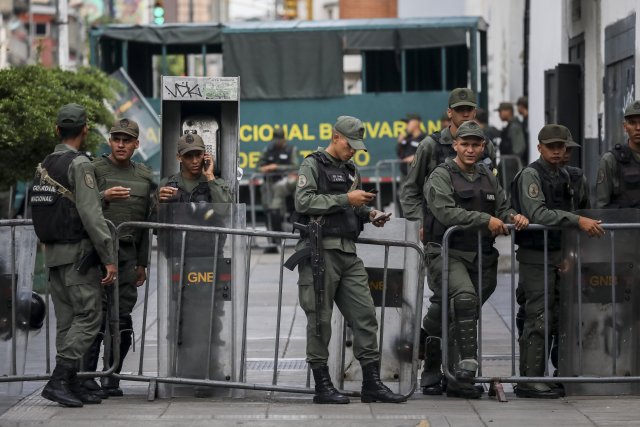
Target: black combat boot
373, 390
76, 387
326, 393
462, 389
111, 384
90, 362
431, 379
57, 389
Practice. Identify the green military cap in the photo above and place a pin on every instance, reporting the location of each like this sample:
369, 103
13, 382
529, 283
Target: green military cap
127, 127
190, 142
572, 144
633, 109
352, 129
462, 96
554, 133
470, 128
505, 106
71, 116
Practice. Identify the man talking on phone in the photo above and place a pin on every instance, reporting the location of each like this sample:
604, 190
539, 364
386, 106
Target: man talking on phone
331, 208
196, 181
127, 192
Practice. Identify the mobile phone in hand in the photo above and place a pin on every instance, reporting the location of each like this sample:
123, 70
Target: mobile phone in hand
381, 217
372, 191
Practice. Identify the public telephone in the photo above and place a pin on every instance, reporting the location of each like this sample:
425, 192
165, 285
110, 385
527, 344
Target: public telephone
209, 130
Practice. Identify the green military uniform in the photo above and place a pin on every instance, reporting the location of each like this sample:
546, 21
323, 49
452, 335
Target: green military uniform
274, 191
445, 210
617, 182
77, 297
346, 281
218, 189
537, 197
432, 151
133, 247
608, 184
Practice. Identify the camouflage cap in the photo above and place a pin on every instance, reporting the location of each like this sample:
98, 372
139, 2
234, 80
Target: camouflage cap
633, 109
554, 133
127, 127
470, 129
462, 96
352, 129
190, 142
71, 116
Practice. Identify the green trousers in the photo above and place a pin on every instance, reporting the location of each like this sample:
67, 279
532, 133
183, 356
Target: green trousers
77, 299
531, 290
346, 282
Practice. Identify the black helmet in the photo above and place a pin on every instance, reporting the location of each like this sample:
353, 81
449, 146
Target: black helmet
38, 311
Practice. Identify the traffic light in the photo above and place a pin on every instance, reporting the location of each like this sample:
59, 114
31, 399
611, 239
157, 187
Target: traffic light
158, 12
291, 9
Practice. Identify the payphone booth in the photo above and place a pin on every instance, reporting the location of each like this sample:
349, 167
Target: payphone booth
201, 275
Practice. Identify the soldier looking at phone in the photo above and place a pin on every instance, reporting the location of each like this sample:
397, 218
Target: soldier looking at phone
196, 181
331, 208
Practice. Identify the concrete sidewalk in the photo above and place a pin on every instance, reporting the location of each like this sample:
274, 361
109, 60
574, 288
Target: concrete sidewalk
276, 409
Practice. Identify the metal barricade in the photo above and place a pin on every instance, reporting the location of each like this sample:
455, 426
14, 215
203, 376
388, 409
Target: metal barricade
572, 335
16, 298
238, 379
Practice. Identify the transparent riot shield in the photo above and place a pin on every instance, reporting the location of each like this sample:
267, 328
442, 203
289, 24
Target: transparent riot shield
599, 319
396, 308
200, 296
17, 262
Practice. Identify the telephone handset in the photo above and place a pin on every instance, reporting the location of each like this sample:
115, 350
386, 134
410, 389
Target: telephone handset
209, 130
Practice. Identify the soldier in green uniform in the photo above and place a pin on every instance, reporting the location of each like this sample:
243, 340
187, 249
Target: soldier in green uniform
433, 151
617, 184
278, 160
463, 192
126, 190
195, 182
542, 191
68, 219
329, 192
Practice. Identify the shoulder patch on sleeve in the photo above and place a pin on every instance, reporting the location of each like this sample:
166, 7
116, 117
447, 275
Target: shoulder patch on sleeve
302, 181
89, 181
600, 176
533, 191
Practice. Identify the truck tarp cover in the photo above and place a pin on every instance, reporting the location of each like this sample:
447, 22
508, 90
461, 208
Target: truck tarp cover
166, 34
285, 65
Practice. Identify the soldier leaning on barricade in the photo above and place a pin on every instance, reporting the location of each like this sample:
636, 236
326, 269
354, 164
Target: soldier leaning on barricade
618, 183
68, 219
195, 182
434, 149
543, 192
278, 160
462, 192
330, 210
126, 190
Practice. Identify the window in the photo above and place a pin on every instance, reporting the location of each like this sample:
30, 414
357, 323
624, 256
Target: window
424, 69
382, 71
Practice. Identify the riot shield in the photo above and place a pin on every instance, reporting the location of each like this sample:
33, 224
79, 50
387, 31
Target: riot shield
399, 301
200, 293
598, 316
17, 262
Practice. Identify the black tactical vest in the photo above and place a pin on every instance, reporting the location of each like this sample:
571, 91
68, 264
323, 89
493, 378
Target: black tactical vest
479, 196
558, 194
575, 176
200, 193
279, 156
506, 145
628, 177
55, 218
336, 180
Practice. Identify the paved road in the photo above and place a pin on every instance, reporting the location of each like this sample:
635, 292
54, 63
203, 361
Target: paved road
277, 409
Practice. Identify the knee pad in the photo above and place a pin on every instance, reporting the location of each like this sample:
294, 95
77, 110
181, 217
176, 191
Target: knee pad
432, 321
465, 307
